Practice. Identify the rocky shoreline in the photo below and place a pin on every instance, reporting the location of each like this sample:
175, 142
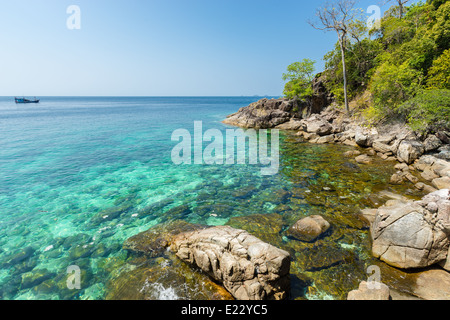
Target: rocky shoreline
252, 258
406, 234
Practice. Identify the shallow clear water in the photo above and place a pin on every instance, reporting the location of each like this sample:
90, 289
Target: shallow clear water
78, 176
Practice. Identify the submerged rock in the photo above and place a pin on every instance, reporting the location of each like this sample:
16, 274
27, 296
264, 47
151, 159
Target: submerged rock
155, 240
164, 279
309, 228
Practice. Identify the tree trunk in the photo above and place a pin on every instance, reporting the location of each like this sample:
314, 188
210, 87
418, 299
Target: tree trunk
344, 69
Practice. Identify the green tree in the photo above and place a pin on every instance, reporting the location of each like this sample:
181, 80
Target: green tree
428, 111
439, 73
299, 76
391, 85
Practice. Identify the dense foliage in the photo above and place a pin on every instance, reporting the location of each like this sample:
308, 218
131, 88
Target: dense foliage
299, 76
404, 65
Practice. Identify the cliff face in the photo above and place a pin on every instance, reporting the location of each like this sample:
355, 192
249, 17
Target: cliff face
282, 113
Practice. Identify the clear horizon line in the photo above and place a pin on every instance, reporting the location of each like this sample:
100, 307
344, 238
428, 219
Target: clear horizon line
142, 96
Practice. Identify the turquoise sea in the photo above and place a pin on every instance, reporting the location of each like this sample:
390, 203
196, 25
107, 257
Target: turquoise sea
78, 176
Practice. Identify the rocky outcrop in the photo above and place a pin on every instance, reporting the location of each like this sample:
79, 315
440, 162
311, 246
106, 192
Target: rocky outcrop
413, 234
264, 114
309, 228
282, 113
249, 268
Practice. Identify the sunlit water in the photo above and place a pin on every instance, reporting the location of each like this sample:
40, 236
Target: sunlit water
78, 176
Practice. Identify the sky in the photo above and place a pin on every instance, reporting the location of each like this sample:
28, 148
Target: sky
157, 47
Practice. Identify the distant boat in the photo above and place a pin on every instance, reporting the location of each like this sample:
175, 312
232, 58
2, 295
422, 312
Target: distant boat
23, 100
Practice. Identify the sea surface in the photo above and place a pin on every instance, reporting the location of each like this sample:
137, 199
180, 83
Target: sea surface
80, 175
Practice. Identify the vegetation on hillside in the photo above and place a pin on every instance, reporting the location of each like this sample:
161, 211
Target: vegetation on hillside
404, 65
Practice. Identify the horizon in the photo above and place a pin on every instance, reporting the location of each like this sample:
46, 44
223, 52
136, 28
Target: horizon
159, 48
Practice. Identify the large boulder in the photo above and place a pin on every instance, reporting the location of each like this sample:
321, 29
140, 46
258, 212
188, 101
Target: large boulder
364, 137
409, 150
432, 143
248, 268
318, 126
413, 234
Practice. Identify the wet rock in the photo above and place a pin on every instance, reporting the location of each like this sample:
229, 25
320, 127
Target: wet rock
244, 192
363, 159
155, 240
267, 227
352, 153
35, 277
164, 279
351, 166
309, 228
19, 256
110, 213
370, 291
249, 268
178, 212
322, 256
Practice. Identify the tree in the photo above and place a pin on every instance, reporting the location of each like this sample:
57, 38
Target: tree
299, 76
439, 73
338, 16
401, 7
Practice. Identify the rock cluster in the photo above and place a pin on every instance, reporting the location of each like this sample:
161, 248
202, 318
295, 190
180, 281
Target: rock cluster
249, 268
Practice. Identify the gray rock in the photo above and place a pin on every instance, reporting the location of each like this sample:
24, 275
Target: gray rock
409, 150
249, 268
432, 143
318, 126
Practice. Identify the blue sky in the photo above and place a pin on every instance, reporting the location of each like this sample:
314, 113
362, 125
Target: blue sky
156, 47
